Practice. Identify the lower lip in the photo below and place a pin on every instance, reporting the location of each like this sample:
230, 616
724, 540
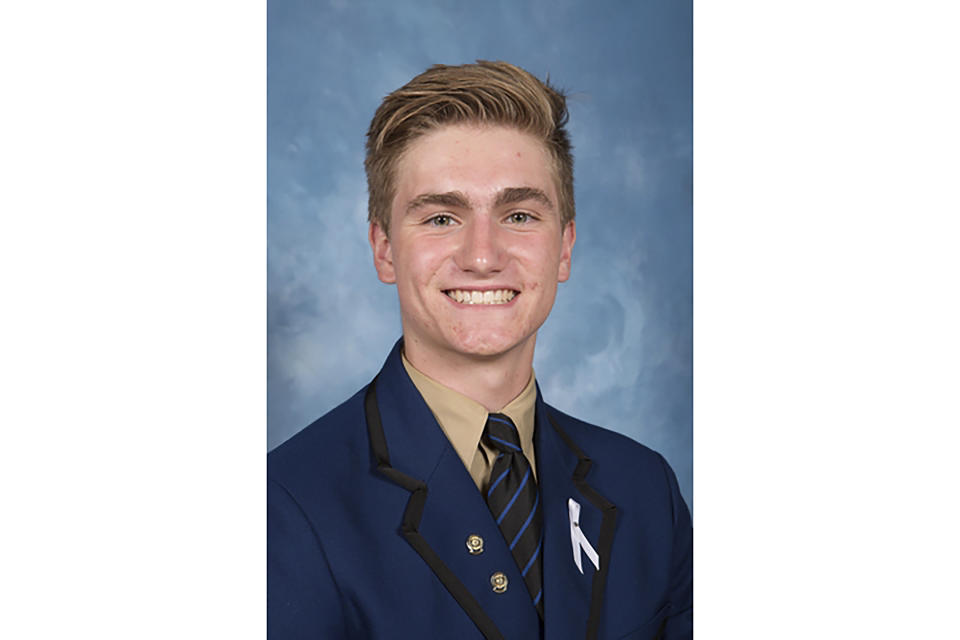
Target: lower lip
466, 305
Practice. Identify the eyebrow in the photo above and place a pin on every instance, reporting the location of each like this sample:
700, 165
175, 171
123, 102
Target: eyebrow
448, 199
513, 195
457, 199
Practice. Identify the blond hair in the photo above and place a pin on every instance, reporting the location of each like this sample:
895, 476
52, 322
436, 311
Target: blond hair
486, 93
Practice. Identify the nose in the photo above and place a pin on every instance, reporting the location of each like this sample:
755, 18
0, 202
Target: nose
481, 251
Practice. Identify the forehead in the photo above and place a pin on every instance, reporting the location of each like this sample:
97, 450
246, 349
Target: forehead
477, 159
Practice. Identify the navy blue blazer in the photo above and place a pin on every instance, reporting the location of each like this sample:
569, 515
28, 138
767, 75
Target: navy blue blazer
369, 509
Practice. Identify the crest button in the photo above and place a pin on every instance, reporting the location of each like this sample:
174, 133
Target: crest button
499, 582
474, 544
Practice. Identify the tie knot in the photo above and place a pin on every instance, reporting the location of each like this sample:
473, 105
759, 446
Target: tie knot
502, 433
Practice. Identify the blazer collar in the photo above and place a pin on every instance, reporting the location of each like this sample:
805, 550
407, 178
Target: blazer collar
413, 437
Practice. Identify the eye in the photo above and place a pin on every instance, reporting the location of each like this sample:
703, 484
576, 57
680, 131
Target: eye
440, 220
519, 217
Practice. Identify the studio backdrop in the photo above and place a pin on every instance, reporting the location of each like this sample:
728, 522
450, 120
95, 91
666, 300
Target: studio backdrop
617, 348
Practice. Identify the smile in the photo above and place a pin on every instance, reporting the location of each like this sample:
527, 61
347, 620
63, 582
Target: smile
497, 296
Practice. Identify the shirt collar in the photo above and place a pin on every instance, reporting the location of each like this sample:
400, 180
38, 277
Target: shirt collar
463, 419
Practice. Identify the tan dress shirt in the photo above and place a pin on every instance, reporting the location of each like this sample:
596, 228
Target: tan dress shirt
463, 420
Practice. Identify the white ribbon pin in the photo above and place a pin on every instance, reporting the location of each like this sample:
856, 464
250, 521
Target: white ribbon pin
578, 539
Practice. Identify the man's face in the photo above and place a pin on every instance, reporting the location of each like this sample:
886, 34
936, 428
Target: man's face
476, 247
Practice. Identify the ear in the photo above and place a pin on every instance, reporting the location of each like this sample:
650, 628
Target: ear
566, 250
382, 254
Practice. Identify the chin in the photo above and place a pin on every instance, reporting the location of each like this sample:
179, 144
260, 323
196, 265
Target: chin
488, 346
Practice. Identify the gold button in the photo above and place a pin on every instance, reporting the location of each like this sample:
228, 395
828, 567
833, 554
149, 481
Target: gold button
474, 544
499, 582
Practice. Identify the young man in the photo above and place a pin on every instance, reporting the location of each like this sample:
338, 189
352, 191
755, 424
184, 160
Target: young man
447, 499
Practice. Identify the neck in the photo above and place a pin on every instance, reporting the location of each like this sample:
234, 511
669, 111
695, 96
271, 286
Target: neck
492, 381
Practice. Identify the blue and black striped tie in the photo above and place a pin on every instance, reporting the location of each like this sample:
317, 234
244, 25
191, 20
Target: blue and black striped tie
515, 503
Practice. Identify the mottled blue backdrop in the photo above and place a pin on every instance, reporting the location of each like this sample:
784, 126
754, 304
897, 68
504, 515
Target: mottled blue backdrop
617, 349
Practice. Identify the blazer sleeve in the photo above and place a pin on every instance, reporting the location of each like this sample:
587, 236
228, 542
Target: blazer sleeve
679, 624
302, 597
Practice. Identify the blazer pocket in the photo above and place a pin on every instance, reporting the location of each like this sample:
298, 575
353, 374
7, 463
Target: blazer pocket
652, 629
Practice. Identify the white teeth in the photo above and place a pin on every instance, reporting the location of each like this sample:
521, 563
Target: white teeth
498, 296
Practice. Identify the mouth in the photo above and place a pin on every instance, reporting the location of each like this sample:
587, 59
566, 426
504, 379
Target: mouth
489, 297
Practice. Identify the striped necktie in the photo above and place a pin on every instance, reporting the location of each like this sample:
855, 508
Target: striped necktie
515, 503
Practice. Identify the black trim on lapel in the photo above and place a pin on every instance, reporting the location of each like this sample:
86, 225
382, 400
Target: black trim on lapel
411, 520
607, 526
663, 625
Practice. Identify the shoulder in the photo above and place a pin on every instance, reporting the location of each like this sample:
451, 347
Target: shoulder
325, 450
601, 444
624, 466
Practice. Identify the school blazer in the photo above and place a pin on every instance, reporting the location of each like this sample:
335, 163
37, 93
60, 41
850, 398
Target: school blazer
369, 510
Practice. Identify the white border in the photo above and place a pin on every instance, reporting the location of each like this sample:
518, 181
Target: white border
826, 319
133, 344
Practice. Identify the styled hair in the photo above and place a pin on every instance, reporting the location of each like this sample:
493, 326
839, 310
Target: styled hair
485, 93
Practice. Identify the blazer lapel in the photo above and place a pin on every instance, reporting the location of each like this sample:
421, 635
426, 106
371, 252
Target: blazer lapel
455, 510
573, 601
445, 507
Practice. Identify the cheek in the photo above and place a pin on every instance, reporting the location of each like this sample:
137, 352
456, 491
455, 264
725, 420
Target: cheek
542, 269
418, 267
429, 257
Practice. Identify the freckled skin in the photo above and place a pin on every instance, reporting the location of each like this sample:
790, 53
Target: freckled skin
484, 245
